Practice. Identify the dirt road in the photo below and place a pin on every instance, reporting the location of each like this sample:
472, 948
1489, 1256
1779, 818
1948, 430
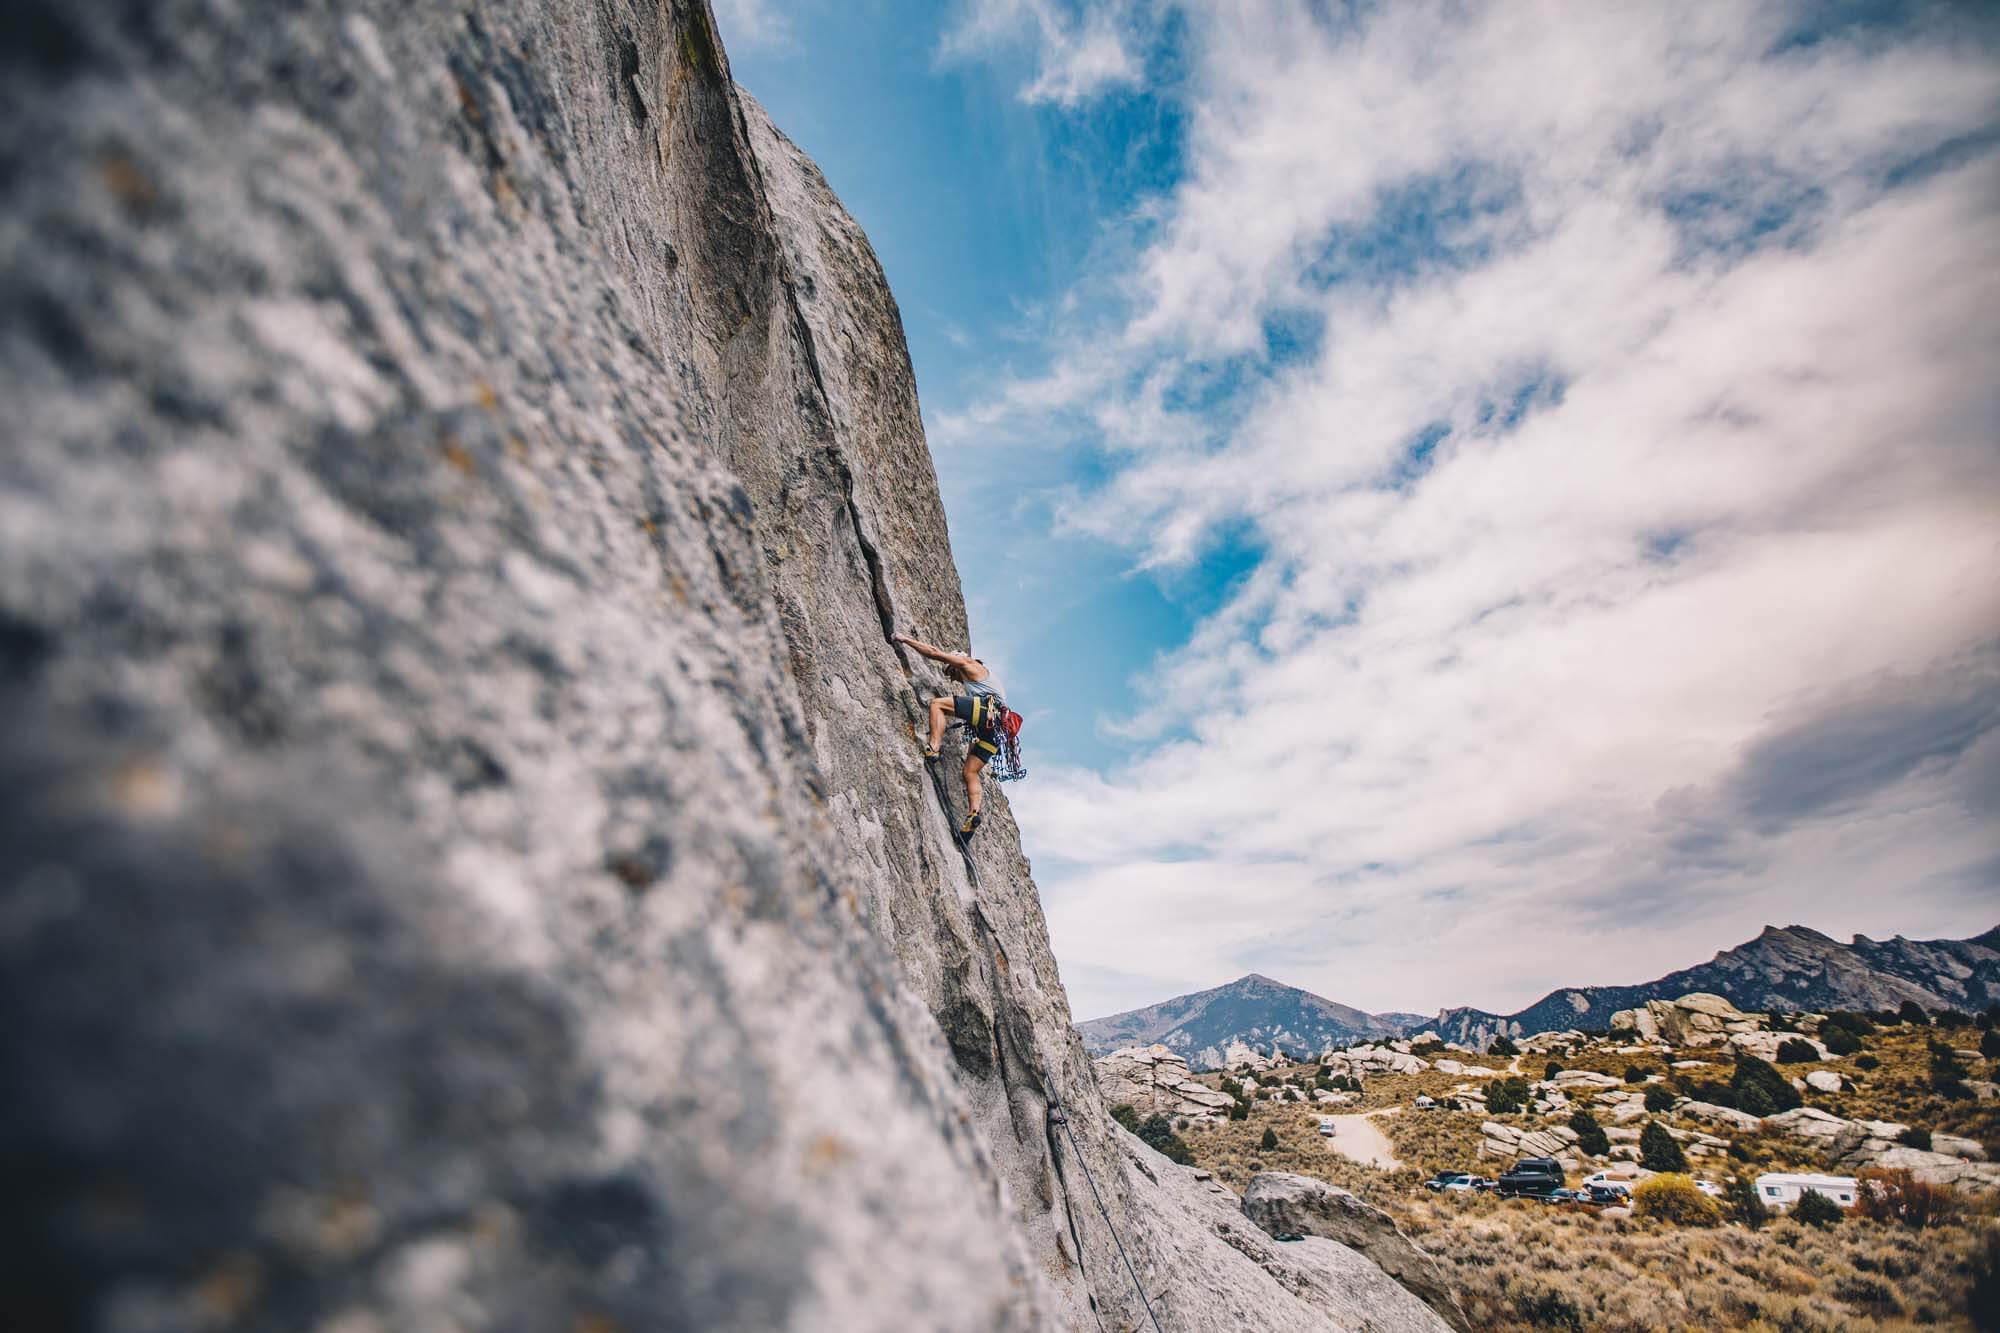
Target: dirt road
1356, 1138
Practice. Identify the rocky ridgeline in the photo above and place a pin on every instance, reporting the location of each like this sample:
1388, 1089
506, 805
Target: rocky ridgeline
466, 860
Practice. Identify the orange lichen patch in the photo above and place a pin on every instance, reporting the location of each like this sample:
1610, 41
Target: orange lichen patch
348, 1224
456, 454
825, 1153
593, 1322
482, 393
145, 789
227, 1291
128, 182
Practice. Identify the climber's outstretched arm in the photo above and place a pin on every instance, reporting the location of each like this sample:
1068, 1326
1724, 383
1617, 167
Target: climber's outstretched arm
936, 654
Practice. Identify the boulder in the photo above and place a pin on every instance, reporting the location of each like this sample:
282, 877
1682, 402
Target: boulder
1727, 1116
1571, 1079
1283, 1203
1823, 1080
1364, 1060
1972, 1150
1639, 1022
1155, 1079
1457, 1070
1764, 1045
1241, 1056
1811, 1125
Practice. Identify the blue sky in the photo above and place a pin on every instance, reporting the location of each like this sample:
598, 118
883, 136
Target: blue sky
1477, 476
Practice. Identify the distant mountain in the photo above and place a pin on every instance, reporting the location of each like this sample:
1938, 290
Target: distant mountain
1789, 969
1254, 1009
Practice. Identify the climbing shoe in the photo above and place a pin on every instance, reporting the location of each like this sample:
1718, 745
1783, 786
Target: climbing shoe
970, 826
926, 751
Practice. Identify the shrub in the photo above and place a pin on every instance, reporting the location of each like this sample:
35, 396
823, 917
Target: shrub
1590, 1135
1989, 1043
1871, 1292
1126, 1116
1541, 1306
1952, 1018
1866, 1061
1158, 1133
1983, 1297
1752, 1072
1323, 1083
1816, 1210
1635, 1073
1838, 1041
1500, 1045
1739, 1196
1658, 1151
1506, 1094
1898, 1196
1269, 1141
1796, 1051
1859, 1024
1912, 1013
1230, 1086
1756, 1101
1550, 1070
1239, 1109
1916, 1136
1658, 1099
1674, 1198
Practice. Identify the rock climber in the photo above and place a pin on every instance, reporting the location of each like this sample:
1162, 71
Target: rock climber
981, 708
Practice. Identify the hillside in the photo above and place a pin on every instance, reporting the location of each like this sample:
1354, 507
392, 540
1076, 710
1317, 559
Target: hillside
1788, 969
1254, 1010
466, 860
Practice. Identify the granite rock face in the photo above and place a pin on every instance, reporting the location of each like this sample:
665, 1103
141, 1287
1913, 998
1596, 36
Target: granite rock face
464, 859
1153, 1079
1282, 1202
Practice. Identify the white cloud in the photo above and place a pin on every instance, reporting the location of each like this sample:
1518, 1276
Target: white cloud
1708, 317
1078, 51
750, 23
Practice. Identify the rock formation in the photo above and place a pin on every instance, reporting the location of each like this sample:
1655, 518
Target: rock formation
466, 860
1154, 1079
1284, 1203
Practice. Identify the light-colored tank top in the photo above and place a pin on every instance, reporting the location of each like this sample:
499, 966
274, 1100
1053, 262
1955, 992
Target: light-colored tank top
990, 687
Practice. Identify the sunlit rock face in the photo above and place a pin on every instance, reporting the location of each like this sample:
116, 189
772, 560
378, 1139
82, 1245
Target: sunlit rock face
465, 860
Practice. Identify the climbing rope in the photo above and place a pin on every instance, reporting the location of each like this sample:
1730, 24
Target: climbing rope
1056, 1116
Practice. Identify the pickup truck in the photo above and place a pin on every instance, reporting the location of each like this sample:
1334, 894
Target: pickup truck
1535, 1176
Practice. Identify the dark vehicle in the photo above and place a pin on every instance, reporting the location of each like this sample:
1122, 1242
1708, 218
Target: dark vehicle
1605, 1194
1536, 1177
1563, 1196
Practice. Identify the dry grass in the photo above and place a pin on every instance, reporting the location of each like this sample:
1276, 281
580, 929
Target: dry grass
1523, 1265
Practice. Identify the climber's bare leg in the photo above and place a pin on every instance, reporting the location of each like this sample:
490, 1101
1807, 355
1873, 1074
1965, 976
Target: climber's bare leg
973, 763
940, 718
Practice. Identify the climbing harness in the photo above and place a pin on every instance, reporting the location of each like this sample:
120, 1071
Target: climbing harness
1056, 1117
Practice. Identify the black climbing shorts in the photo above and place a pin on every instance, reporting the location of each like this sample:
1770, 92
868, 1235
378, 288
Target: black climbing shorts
981, 715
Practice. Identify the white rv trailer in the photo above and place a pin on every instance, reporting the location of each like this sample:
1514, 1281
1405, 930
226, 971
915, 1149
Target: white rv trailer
1779, 1190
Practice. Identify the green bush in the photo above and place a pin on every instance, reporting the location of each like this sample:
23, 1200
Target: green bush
1739, 1196
1158, 1134
1983, 1297
1550, 1070
1269, 1141
1866, 1061
1912, 1013
1635, 1073
1916, 1136
1673, 1197
1816, 1210
1752, 1072
1658, 1099
1239, 1109
1658, 1151
1858, 1024
1590, 1136
1989, 1043
1500, 1045
1506, 1094
1126, 1116
1839, 1041
1796, 1051
1756, 1101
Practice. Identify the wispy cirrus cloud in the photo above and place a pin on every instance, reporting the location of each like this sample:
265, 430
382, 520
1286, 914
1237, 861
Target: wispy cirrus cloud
1598, 389
1077, 51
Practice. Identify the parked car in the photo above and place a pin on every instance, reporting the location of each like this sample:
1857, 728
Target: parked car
1454, 1181
1710, 1188
1533, 1176
1484, 1184
1563, 1196
1326, 1125
1603, 1195
1625, 1178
